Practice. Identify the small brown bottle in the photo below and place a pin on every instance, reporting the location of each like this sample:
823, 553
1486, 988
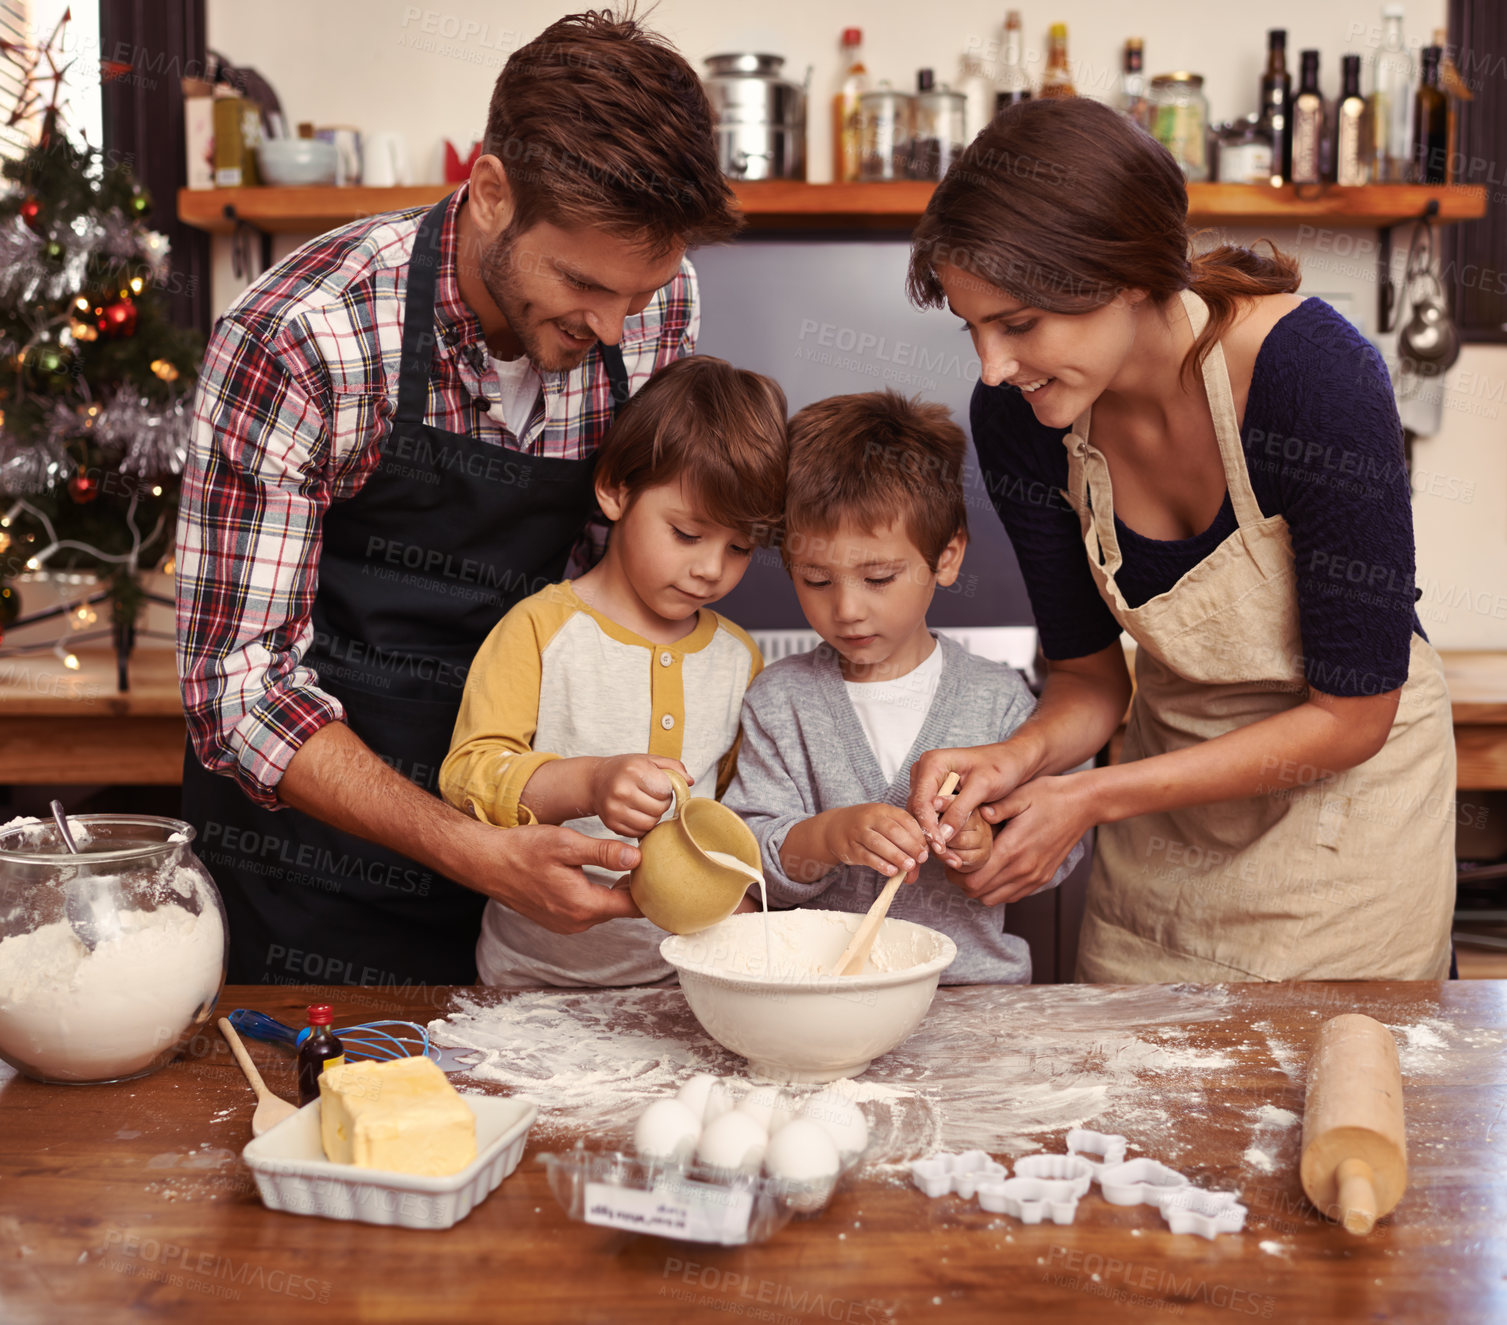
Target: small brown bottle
320, 1050
1308, 123
1430, 124
1352, 128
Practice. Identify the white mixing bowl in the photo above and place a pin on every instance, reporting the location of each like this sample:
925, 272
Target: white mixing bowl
791, 1021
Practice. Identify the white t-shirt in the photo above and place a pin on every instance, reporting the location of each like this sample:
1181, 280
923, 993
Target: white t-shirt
891, 712
520, 390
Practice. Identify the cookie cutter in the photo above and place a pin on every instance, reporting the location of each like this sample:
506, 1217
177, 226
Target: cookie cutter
1058, 1168
1109, 1146
1139, 1181
946, 1171
1192, 1210
1030, 1199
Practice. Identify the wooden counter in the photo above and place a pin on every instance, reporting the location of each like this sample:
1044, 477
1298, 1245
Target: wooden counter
129, 1202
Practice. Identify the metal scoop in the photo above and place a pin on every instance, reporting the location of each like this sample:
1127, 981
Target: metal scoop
89, 921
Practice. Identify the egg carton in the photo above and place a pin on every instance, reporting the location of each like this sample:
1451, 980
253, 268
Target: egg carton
1206, 1213
1031, 1199
960, 1173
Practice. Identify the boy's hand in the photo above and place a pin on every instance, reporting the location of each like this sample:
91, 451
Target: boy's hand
972, 845
629, 793
880, 837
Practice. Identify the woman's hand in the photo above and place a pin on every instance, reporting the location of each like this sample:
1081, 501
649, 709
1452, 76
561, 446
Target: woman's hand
1042, 820
986, 773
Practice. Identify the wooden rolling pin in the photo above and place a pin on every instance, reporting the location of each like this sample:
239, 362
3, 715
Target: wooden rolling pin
1355, 1153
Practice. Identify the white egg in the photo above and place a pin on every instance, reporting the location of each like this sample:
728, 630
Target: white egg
733, 1143
804, 1160
836, 1114
706, 1096
770, 1105
667, 1131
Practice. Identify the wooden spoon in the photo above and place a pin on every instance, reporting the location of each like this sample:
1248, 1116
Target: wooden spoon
857, 952
270, 1109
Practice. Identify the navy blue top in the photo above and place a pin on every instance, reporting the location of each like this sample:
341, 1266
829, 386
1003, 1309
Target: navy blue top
1323, 445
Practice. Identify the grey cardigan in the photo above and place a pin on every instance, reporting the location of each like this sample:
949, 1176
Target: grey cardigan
804, 751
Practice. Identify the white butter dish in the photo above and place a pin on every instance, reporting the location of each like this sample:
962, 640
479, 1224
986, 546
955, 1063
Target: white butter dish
292, 1173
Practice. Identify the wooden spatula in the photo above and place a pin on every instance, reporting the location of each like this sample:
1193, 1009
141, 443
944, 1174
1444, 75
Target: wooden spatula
857, 952
270, 1109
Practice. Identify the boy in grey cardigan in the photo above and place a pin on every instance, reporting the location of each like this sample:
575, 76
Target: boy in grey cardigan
874, 522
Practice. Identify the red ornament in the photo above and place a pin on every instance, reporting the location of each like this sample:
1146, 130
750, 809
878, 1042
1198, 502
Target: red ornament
31, 212
118, 318
82, 488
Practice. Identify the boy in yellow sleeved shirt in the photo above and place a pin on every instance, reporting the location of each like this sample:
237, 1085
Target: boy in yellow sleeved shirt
585, 692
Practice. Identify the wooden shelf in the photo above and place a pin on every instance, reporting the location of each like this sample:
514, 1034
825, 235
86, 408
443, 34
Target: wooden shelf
791, 205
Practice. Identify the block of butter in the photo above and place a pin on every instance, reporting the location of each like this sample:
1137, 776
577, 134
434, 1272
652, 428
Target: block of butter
402, 1115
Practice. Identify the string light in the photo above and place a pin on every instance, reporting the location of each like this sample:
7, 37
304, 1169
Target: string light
156, 490
83, 617
137, 285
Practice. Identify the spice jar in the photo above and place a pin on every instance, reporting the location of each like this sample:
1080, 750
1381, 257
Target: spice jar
1180, 121
937, 128
886, 133
1243, 152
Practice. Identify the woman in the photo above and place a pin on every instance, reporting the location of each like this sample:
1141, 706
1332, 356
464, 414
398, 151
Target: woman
1183, 448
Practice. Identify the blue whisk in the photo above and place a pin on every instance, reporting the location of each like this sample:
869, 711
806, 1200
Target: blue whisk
370, 1039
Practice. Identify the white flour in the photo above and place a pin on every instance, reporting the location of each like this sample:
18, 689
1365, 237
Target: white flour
797, 947
999, 1069
73, 1014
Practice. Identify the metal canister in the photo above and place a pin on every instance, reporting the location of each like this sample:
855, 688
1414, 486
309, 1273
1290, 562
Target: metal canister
1180, 120
759, 118
887, 116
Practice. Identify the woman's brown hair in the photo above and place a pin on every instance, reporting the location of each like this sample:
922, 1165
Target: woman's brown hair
720, 430
600, 122
1061, 204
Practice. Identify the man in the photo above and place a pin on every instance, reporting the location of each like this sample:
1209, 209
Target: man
392, 445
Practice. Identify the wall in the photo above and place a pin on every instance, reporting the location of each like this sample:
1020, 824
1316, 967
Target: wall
427, 70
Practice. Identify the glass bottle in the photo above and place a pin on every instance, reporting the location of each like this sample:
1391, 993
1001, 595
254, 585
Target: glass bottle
1430, 123
1352, 128
1391, 102
1308, 124
320, 1051
847, 122
977, 90
1180, 120
1057, 81
1276, 104
1133, 83
1013, 83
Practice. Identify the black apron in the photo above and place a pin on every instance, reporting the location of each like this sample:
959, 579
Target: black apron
447, 533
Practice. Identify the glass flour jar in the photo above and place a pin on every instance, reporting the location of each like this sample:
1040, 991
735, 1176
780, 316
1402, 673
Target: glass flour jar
1180, 121
111, 959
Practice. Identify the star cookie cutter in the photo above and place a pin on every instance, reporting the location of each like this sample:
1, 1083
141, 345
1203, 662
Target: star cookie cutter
1140, 1181
945, 1172
1108, 1146
1192, 1210
1030, 1199
1058, 1168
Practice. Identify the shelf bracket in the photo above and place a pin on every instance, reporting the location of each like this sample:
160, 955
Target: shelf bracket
240, 244
1386, 294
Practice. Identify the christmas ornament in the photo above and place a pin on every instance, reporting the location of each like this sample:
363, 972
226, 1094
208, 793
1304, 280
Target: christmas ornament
82, 488
10, 605
31, 211
29, 99
117, 318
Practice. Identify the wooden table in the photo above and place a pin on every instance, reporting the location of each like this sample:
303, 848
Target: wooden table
129, 1201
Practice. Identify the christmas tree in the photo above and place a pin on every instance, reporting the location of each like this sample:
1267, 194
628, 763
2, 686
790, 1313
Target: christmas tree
95, 382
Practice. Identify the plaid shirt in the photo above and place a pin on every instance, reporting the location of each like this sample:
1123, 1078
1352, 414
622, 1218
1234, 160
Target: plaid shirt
297, 392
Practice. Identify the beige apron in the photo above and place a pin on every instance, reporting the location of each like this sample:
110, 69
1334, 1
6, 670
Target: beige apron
1350, 877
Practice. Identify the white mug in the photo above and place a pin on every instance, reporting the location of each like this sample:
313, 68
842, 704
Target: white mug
384, 160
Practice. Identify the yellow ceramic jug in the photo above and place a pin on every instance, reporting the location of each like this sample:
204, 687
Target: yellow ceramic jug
677, 884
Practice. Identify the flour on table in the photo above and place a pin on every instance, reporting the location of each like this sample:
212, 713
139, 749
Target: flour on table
1057, 1056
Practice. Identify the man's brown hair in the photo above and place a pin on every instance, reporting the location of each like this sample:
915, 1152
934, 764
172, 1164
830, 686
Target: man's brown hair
868, 458
600, 122
720, 430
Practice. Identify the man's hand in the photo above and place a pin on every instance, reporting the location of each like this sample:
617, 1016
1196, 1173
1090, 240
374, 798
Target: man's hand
1042, 820
536, 871
880, 837
629, 793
